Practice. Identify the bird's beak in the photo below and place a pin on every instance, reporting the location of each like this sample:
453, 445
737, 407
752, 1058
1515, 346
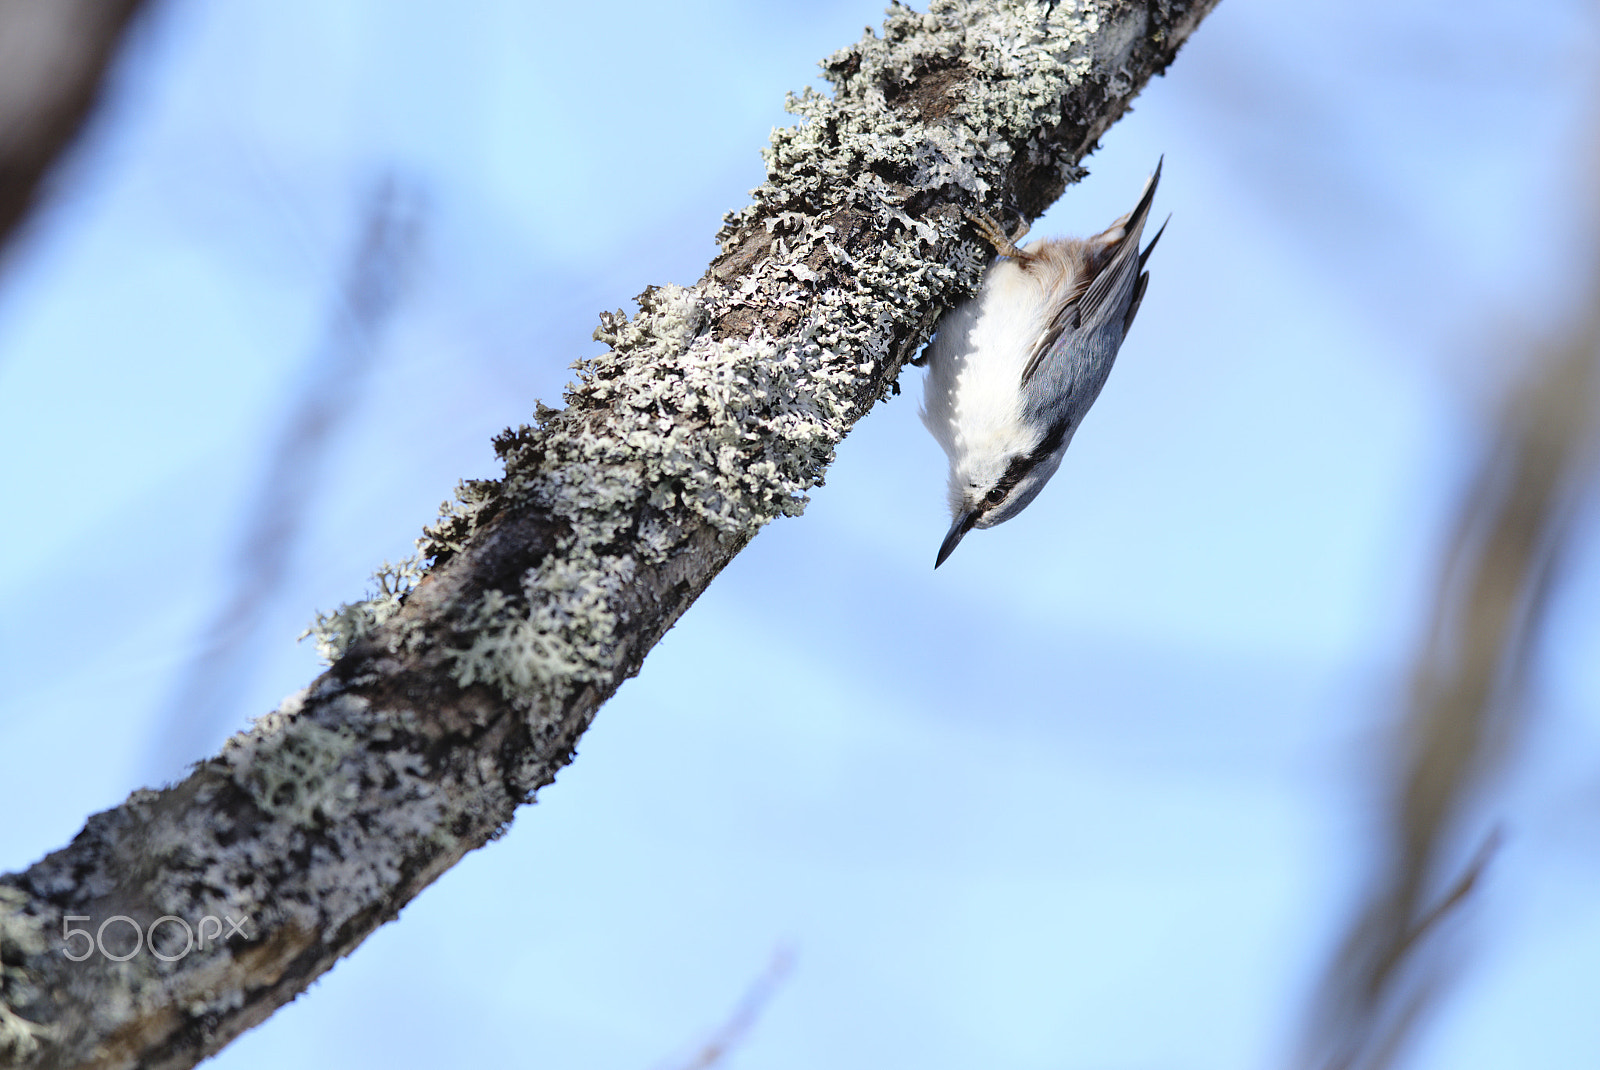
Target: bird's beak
960, 527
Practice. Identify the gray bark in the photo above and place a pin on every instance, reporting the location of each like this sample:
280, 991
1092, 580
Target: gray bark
462, 688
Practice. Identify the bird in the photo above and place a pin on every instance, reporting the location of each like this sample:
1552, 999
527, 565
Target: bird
1012, 371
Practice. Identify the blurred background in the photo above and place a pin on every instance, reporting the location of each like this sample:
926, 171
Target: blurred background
1105, 791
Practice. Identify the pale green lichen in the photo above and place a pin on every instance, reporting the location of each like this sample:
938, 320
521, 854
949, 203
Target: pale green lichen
735, 431
20, 1039
352, 622
457, 515
295, 776
21, 938
563, 637
323, 756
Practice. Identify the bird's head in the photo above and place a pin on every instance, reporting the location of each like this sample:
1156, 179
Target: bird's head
990, 488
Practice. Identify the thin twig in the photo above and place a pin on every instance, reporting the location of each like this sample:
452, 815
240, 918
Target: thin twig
744, 1015
208, 691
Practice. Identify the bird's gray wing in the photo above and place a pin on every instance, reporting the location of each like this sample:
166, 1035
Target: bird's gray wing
1111, 281
1066, 320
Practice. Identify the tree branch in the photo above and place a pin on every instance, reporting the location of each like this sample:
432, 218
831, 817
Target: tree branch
53, 59
461, 689
1468, 704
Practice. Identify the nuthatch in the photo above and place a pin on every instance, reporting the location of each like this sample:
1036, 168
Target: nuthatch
1012, 371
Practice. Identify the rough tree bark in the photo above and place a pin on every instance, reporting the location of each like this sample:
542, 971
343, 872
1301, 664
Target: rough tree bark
461, 689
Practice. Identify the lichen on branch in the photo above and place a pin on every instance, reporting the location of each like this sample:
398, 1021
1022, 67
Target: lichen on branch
721, 404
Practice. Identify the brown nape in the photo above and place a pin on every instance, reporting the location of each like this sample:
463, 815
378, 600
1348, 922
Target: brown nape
1071, 261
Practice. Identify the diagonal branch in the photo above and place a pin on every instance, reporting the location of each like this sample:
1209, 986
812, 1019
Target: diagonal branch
462, 688
363, 305
53, 59
1468, 703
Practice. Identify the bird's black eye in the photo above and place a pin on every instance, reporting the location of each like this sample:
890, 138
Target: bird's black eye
995, 496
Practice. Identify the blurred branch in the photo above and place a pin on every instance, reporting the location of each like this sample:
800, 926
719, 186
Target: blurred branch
463, 688
54, 55
361, 308
744, 1016
1467, 708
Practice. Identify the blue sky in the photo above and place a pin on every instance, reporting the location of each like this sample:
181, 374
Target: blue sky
1093, 795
